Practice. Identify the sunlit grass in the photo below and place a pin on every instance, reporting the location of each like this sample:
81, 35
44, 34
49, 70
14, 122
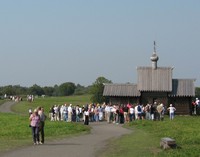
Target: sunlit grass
48, 102
15, 130
145, 139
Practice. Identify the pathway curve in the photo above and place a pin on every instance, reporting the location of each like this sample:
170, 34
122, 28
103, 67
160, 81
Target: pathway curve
6, 107
81, 146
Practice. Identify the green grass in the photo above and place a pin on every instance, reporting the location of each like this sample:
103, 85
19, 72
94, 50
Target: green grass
48, 102
15, 130
2, 101
143, 142
145, 139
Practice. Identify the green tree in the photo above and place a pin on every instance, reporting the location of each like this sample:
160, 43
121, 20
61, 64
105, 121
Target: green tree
97, 90
197, 92
80, 90
36, 90
9, 90
48, 91
67, 89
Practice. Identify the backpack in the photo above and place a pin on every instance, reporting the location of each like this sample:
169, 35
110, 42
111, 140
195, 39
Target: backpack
139, 108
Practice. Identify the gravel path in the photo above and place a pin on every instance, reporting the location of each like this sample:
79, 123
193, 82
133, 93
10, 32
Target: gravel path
81, 146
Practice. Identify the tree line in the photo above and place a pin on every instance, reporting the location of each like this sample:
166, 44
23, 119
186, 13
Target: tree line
65, 89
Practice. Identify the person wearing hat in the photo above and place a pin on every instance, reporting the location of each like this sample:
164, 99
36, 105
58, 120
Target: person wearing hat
35, 123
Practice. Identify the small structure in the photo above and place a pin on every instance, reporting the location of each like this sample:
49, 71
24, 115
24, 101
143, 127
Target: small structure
154, 84
167, 143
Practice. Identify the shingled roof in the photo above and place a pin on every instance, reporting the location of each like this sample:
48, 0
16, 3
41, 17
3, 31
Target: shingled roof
124, 90
159, 79
183, 88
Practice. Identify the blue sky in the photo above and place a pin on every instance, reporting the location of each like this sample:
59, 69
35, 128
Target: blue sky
48, 42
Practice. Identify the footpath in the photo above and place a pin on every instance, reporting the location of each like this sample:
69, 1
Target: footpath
89, 145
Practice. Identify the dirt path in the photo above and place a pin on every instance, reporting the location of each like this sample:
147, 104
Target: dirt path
6, 107
81, 146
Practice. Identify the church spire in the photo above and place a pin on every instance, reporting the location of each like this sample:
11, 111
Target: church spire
154, 57
154, 47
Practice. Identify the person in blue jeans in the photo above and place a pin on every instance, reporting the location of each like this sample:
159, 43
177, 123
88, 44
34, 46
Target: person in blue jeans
35, 123
171, 111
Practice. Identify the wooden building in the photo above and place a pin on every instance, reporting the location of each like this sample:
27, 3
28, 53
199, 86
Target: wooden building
154, 84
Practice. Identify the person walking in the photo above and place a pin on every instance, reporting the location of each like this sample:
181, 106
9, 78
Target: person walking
35, 122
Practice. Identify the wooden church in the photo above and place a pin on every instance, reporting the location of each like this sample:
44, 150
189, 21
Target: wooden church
154, 84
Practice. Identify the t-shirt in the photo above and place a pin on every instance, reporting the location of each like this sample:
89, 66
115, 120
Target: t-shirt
35, 120
171, 109
131, 110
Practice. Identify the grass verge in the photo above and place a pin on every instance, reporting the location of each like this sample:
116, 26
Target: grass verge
145, 139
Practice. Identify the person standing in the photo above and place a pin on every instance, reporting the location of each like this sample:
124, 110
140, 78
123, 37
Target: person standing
42, 122
131, 113
125, 109
86, 113
108, 112
171, 112
35, 122
69, 110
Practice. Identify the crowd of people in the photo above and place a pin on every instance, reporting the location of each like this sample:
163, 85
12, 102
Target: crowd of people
111, 113
117, 114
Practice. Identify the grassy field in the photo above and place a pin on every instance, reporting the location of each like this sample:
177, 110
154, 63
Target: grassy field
15, 129
48, 102
143, 142
145, 139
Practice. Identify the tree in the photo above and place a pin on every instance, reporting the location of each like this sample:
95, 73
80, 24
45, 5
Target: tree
97, 90
36, 90
197, 91
48, 91
8, 90
80, 90
66, 89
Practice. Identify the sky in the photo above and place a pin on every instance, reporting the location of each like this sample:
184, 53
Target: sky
48, 42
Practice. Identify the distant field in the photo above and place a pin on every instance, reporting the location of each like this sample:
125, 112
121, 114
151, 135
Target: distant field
48, 102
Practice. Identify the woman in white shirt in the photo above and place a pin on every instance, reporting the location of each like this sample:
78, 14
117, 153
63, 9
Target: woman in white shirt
171, 112
86, 113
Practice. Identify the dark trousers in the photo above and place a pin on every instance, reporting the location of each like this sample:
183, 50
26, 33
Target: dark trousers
35, 134
42, 131
86, 120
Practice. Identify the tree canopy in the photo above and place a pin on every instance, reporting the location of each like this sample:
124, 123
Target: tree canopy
97, 90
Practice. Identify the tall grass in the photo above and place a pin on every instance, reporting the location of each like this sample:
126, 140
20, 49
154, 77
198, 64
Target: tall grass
145, 139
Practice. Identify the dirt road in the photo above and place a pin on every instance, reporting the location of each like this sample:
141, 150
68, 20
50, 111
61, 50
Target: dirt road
6, 107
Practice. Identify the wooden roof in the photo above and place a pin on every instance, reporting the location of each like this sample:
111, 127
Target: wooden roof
180, 88
124, 90
159, 79
183, 87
